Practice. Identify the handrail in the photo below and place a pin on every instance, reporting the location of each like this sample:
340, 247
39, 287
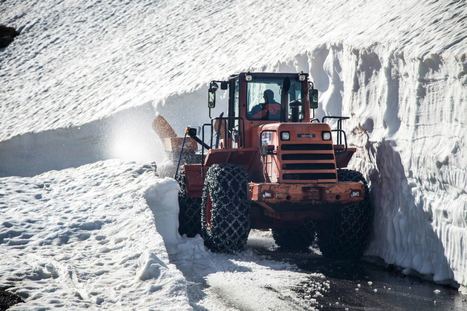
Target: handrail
345, 139
340, 118
339, 126
264, 156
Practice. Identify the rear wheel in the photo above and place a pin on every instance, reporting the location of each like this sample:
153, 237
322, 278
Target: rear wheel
346, 234
189, 216
225, 208
295, 238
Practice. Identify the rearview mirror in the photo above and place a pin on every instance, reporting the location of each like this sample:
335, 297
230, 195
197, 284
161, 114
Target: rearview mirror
212, 94
211, 99
313, 96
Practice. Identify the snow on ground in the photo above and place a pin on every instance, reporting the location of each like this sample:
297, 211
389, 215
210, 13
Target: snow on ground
396, 67
105, 236
85, 238
243, 281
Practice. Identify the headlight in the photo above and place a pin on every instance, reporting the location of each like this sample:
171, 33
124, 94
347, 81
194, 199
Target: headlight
301, 77
326, 135
248, 77
267, 194
285, 135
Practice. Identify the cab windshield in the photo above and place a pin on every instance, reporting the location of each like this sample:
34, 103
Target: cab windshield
264, 97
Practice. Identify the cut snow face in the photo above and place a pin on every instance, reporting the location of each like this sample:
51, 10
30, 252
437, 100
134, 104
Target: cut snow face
85, 238
126, 135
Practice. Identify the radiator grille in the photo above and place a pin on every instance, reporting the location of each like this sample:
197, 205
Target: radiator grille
308, 162
307, 156
309, 176
308, 166
306, 147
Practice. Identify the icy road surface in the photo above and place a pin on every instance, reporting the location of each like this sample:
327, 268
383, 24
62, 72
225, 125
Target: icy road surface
343, 285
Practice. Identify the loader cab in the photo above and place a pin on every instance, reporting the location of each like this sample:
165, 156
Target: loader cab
284, 95
261, 98
256, 99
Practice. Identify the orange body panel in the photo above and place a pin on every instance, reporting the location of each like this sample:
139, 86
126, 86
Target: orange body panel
306, 194
194, 174
246, 157
276, 205
343, 156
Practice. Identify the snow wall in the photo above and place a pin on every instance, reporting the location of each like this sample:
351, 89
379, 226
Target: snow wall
86, 76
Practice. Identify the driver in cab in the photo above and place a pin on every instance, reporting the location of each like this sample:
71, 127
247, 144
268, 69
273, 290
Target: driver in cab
269, 110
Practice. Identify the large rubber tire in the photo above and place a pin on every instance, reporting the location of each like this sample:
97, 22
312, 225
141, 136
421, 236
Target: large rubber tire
347, 233
295, 238
225, 212
189, 217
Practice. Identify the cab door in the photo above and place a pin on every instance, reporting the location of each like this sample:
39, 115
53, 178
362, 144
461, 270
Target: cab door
235, 122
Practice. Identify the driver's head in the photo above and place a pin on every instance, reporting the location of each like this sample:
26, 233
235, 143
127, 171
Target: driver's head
268, 96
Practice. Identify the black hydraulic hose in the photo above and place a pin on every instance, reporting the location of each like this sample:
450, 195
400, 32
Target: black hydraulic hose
198, 140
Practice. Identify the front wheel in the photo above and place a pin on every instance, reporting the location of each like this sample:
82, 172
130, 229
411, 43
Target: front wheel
347, 233
225, 219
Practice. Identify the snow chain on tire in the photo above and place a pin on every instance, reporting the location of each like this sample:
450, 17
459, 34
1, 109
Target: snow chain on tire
189, 216
225, 219
346, 234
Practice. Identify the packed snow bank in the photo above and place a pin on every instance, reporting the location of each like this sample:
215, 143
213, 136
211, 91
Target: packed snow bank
409, 125
408, 122
243, 281
83, 60
85, 238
